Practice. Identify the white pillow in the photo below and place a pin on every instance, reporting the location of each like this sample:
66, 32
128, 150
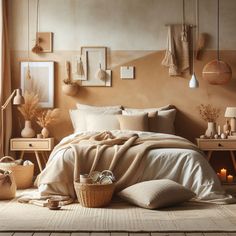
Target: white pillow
102, 122
156, 194
88, 107
78, 117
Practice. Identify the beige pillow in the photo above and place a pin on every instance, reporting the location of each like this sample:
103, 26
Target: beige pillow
102, 122
165, 122
134, 122
78, 117
156, 194
162, 123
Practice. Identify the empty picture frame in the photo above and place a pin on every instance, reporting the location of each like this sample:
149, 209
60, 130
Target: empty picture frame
95, 57
41, 81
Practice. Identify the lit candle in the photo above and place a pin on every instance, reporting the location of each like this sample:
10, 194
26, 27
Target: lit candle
223, 175
219, 130
230, 178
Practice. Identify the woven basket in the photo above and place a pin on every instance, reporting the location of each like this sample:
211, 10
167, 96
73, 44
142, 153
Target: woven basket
23, 175
94, 195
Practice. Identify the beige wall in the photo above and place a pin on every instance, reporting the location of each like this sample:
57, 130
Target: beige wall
134, 32
117, 24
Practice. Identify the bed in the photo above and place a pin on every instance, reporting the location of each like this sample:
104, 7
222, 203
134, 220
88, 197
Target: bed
166, 156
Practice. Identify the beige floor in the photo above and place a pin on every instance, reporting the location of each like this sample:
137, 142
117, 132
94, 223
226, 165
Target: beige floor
204, 220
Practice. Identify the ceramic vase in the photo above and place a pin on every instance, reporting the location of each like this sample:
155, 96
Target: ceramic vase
28, 132
45, 132
211, 129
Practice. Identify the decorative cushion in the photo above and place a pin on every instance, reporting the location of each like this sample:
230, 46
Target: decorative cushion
78, 117
88, 107
162, 123
165, 122
156, 194
134, 122
102, 122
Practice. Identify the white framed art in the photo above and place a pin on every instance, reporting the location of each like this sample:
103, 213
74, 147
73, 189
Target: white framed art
41, 80
95, 58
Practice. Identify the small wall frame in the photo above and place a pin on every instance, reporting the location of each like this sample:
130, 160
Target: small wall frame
41, 81
95, 58
45, 40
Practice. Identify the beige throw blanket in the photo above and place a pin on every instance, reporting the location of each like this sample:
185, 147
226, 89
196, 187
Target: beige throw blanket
124, 155
177, 52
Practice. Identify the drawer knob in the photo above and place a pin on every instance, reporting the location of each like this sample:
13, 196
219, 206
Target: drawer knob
220, 145
30, 145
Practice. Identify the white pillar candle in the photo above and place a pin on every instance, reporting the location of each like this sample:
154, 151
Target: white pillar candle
219, 130
223, 174
230, 178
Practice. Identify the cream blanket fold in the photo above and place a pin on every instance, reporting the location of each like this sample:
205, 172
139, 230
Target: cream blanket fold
124, 155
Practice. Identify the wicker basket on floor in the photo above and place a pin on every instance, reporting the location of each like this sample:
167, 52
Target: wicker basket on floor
94, 195
23, 175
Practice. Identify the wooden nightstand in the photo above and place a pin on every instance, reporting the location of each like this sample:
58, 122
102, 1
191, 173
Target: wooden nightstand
35, 145
211, 145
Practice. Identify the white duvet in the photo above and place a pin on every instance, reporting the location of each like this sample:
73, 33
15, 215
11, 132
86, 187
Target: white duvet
187, 167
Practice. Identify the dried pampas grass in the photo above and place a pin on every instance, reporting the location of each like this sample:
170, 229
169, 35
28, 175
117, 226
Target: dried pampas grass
30, 108
46, 117
208, 112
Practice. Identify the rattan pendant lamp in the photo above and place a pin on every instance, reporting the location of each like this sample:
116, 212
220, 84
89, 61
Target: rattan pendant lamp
217, 72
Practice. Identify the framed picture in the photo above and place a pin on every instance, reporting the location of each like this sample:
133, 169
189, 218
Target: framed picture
45, 41
95, 58
41, 80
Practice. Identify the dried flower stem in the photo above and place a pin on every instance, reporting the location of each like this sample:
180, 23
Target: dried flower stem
208, 112
46, 117
31, 106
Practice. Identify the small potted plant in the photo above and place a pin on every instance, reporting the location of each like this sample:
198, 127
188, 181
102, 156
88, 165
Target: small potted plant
28, 110
45, 118
209, 114
69, 87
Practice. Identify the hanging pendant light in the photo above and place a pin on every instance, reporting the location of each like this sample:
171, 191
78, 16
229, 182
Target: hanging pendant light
217, 71
193, 83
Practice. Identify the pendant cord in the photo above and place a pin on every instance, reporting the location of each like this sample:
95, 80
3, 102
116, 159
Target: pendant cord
37, 17
183, 7
28, 16
218, 30
197, 18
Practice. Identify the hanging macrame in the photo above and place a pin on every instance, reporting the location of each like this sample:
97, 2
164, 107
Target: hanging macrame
100, 74
217, 71
37, 48
80, 68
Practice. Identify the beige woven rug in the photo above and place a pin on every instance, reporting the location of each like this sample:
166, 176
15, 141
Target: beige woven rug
118, 216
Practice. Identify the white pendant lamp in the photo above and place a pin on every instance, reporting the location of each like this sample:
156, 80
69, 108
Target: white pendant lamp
193, 83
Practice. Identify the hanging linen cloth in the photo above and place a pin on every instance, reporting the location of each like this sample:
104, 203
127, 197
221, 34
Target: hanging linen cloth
177, 51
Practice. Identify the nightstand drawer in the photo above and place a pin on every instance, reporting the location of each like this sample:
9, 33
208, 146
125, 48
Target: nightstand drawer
217, 144
31, 144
